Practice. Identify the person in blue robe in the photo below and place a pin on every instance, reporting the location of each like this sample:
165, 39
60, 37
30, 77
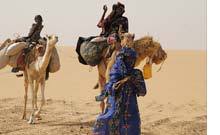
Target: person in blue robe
121, 116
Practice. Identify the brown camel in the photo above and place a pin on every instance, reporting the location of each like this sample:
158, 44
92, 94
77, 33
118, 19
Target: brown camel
145, 47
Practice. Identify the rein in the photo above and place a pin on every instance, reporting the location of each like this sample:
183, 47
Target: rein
150, 60
16, 35
160, 66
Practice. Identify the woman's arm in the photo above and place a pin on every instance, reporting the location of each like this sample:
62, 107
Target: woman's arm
118, 84
138, 80
101, 22
118, 72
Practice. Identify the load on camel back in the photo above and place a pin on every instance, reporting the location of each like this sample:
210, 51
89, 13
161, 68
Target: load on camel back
91, 51
12, 54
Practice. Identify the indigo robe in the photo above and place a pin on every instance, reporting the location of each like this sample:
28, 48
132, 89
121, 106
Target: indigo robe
121, 116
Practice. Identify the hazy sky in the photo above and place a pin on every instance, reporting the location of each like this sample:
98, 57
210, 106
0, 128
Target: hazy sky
177, 24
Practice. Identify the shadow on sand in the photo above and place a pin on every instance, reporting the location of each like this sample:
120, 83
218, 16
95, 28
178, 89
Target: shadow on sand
82, 124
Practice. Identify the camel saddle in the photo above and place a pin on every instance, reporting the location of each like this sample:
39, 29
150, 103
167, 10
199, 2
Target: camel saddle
23, 58
21, 61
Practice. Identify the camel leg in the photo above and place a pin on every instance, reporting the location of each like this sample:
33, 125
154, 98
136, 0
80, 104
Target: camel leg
25, 95
106, 69
96, 85
42, 99
31, 120
102, 81
35, 94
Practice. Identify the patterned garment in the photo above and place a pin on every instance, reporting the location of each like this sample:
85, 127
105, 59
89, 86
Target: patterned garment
121, 116
34, 33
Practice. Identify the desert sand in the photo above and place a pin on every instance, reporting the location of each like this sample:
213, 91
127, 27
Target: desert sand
174, 105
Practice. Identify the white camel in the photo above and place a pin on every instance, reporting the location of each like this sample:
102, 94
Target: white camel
34, 75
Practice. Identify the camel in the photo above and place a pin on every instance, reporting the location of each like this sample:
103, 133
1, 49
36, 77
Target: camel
34, 75
145, 47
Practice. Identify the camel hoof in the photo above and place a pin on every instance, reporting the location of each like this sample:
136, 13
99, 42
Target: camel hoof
23, 118
96, 86
38, 117
31, 121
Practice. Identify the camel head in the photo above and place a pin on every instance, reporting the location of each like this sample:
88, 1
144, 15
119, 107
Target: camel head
159, 54
5, 43
147, 47
127, 39
51, 41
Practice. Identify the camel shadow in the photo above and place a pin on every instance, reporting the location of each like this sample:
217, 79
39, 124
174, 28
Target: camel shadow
87, 124
147, 133
78, 123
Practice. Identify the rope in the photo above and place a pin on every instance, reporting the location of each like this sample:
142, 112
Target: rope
160, 66
16, 35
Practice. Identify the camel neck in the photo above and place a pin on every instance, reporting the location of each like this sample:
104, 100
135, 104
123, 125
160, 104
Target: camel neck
46, 58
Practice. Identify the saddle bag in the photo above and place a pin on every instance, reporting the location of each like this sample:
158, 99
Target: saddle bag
80, 58
54, 64
3, 58
90, 52
15, 48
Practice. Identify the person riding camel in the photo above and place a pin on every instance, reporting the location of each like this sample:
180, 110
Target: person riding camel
33, 37
111, 24
114, 20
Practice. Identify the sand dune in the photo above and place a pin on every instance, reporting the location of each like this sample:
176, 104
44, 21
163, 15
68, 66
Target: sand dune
175, 103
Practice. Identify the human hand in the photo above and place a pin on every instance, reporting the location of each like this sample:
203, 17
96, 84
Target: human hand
118, 84
105, 8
